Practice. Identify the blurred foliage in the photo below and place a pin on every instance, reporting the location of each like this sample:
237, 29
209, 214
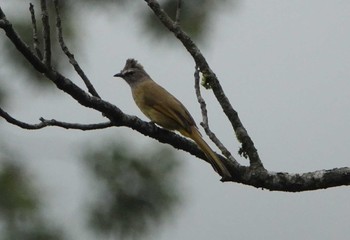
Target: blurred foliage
139, 189
16, 196
195, 17
19, 207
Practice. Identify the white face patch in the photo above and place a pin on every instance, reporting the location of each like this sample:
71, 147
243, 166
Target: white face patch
127, 71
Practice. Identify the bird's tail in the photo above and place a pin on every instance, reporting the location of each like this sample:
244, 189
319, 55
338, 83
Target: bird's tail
212, 157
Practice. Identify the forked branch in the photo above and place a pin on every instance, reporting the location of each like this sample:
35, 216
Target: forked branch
254, 175
248, 148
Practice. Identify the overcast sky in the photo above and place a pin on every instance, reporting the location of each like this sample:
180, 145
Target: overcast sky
285, 66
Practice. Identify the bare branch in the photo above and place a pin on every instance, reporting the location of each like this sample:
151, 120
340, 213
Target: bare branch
70, 56
205, 122
46, 33
178, 12
281, 181
248, 147
36, 42
18, 123
78, 126
45, 123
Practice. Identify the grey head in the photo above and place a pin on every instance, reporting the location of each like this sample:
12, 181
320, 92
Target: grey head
133, 72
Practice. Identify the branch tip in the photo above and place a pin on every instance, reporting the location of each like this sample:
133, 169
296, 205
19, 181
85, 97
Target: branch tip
178, 12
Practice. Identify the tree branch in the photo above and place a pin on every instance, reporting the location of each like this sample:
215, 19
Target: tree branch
70, 56
205, 122
46, 33
280, 181
36, 42
46, 123
248, 148
18, 123
77, 126
274, 181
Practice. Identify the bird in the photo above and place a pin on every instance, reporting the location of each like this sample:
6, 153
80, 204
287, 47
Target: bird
165, 110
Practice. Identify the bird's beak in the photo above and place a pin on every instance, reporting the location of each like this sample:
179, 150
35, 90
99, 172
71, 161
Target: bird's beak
118, 75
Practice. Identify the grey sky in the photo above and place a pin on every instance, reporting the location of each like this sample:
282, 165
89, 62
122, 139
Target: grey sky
285, 67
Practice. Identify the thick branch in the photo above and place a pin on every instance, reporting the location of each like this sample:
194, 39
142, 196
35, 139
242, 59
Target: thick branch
279, 181
248, 147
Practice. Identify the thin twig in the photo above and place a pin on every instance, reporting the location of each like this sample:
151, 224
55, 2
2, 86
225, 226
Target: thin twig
205, 122
70, 56
45, 123
77, 126
46, 33
178, 12
199, 97
36, 42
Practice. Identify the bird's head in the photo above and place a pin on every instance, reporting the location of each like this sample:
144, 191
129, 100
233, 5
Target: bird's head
132, 72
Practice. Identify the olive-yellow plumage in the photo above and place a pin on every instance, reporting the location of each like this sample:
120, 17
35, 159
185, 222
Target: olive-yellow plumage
165, 110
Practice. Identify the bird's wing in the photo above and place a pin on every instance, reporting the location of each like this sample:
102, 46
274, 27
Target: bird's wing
167, 104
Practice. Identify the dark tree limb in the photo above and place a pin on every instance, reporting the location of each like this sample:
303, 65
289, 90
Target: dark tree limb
248, 148
46, 123
18, 123
288, 182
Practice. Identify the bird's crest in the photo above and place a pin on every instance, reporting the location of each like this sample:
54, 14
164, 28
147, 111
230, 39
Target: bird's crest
132, 64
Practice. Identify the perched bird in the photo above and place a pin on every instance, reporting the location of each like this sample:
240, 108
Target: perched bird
165, 110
